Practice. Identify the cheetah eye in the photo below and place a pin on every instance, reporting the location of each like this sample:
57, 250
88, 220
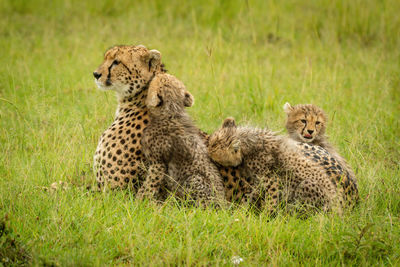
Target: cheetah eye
303, 121
318, 122
115, 62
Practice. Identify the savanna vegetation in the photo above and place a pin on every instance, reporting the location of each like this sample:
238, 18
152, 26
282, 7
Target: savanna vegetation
238, 58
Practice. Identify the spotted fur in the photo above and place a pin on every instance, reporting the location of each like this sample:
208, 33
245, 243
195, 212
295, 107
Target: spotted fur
127, 70
307, 124
281, 167
119, 165
176, 153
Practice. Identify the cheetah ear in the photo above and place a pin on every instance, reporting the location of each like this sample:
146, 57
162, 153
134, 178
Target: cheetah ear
236, 146
154, 59
229, 122
287, 108
188, 100
142, 46
154, 100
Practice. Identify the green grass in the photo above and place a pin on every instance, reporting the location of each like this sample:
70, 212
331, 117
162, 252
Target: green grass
238, 58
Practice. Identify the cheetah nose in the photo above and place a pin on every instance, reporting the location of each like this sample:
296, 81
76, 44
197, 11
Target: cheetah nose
96, 75
310, 131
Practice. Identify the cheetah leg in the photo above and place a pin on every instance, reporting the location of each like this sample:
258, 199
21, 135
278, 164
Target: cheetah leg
267, 194
250, 193
311, 196
204, 192
198, 190
154, 179
217, 188
336, 202
99, 179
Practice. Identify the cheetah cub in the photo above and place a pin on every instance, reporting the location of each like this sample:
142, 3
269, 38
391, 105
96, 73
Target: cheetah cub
278, 165
176, 154
307, 124
244, 148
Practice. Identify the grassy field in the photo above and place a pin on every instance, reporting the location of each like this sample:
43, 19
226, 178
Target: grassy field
238, 58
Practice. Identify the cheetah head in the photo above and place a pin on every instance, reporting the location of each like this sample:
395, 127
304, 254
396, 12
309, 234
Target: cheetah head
128, 69
167, 96
224, 145
305, 123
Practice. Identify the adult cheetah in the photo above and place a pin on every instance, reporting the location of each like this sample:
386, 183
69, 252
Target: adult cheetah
127, 70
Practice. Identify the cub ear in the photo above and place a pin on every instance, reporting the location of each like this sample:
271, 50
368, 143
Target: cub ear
188, 99
236, 146
229, 122
287, 108
154, 59
154, 100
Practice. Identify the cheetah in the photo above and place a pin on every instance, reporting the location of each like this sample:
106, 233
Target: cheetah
279, 166
127, 70
236, 184
306, 123
175, 152
118, 161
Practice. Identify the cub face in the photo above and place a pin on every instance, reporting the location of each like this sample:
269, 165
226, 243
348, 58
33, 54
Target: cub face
305, 123
167, 96
224, 145
127, 69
